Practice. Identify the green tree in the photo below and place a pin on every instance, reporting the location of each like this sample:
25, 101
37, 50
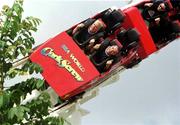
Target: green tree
16, 41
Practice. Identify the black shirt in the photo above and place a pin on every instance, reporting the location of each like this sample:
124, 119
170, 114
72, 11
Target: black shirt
101, 54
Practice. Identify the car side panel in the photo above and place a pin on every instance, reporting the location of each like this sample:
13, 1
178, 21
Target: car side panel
134, 19
66, 68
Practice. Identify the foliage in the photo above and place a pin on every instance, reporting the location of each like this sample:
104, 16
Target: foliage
16, 41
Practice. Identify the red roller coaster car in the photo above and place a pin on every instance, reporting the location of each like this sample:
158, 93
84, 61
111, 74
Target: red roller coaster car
69, 70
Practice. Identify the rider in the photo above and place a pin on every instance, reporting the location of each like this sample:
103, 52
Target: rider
154, 10
106, 52
88, 30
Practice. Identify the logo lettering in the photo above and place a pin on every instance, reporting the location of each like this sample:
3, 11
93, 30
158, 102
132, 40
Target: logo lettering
75, 60
61, 62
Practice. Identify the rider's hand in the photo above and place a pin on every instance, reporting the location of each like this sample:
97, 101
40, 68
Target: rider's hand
96, 47
148, 4
78, 27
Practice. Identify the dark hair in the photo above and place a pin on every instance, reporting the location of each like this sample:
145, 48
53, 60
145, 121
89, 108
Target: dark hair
167, 6
156, 3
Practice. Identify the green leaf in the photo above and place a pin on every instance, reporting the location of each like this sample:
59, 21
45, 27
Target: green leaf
7, 25
39, 83
31, 39
22, 50
7, 66
31, 69
6, 98
6, 124
18, 112
1, 101
34, 29
2, 44
11, 113
17, 8
26, 66
17, 19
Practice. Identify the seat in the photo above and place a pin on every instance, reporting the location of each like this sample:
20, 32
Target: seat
100, 65
128, 38
174, 30
83, 43
113, 19
174, 3
175, 26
